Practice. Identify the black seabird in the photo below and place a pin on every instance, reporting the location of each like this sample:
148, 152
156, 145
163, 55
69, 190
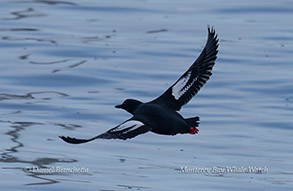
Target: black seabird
160, 115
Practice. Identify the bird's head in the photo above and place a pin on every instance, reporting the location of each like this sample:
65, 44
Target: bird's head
129, 105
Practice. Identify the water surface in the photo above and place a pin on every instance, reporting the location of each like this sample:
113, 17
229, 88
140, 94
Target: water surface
65, 64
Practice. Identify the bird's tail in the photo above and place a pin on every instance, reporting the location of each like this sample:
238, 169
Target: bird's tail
193, 121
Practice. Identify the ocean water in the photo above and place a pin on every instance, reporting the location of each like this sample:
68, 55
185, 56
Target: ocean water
65, 64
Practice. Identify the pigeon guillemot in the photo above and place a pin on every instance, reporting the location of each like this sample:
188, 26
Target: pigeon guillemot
160, 115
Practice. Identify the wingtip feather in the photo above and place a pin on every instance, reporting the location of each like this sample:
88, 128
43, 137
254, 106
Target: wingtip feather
74, 140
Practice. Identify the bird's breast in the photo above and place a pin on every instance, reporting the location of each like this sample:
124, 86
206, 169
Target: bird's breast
161, 120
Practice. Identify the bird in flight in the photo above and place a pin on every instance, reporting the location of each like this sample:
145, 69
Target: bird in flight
160, 115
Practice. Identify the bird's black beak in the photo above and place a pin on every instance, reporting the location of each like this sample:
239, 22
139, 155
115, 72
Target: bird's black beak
118, 106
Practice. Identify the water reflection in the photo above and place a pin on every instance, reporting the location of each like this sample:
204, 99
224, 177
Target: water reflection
24, 57
68, 126
43, 95
70, 66
8, 156
20, 29
29, 12
157, 31
9, 38
51, 2
49, 63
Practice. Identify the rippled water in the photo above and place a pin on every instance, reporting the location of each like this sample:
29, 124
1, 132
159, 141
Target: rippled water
65, 64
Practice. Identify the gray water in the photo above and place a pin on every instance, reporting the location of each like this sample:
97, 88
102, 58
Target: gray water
65, 64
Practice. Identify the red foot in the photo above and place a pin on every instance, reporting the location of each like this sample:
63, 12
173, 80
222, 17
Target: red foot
193, 130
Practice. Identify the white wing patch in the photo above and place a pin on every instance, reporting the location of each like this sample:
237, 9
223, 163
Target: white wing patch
132, 124
178, 89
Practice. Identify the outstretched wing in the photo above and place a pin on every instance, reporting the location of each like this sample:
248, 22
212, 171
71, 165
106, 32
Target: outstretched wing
194, 78
125, 130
